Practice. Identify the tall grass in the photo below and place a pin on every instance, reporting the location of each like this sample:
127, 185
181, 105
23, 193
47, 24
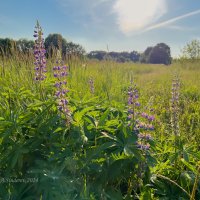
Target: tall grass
102, 117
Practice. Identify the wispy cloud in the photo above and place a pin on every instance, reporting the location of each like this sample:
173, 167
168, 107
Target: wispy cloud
177, 28
80, 10
135, 15
80, 6
180, 28
171, 21
90, 16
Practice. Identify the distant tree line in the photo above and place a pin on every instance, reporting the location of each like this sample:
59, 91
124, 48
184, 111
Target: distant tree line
7, 46
159, 54
53, 42
133, 56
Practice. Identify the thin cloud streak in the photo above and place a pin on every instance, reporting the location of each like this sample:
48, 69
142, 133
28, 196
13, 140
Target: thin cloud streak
170, 21
180, 28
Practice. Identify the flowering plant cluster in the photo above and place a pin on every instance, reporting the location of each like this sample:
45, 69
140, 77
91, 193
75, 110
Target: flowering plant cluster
39, 54
60, 71
140, 123
175, 105
91, 84
145, 126
132, 105
60, 74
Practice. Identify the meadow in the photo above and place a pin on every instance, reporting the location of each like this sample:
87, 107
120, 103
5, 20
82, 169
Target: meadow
119, 138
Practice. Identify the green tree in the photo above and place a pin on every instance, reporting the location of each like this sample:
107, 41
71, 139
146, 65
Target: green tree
160, 54
135, 56
191, 50
145, 56
72, 48
53, 42
7, 46
116, 56
99, 55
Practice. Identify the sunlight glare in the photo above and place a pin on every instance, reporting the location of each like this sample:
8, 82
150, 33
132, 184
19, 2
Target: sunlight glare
134, 15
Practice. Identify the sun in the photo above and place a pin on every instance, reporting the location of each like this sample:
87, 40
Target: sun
134, 15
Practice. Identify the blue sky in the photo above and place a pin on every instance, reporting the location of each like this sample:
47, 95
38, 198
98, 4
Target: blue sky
120, 25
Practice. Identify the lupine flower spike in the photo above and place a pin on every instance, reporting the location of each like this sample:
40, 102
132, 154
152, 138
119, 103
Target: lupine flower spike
140, 123
91, 84
175, 105
132, 105
39, 54
145, 127
60, 74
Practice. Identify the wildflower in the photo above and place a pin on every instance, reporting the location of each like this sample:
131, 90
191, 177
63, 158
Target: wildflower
91, 83
39, 54
151, 118
132, 103
145, 115
144, 147
175, 105
145, 136
60, 73
150, 127
140, 123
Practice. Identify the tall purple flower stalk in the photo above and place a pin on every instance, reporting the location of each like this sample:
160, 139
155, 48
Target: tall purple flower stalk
145, 126
60, 74
140, 123
91, 84
39, 54
175, 105
132, 105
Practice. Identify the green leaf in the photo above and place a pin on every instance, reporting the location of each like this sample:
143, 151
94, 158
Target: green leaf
14, 159
103, 118
188, 165
113, 194
2, 119
78, 116
58, 129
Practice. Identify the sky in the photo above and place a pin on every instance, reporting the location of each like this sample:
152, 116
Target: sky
110, 25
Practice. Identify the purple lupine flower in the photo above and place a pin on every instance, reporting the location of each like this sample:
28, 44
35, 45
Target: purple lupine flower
145, 136
91, 83
150, 127
175, 105
130, 117
151, 118
139, 122
137, 103
147, 116
144, 115
60, 73
39, 54
141, 125
144, 147
132, 103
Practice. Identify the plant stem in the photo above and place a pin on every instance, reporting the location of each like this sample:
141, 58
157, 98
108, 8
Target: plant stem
195, 185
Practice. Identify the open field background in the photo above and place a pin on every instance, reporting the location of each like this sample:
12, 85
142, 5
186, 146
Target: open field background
70, 161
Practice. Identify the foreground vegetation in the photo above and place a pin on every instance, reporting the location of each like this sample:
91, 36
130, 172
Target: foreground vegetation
98, 130
95, 157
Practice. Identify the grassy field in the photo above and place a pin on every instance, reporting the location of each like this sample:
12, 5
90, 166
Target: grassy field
95, 155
